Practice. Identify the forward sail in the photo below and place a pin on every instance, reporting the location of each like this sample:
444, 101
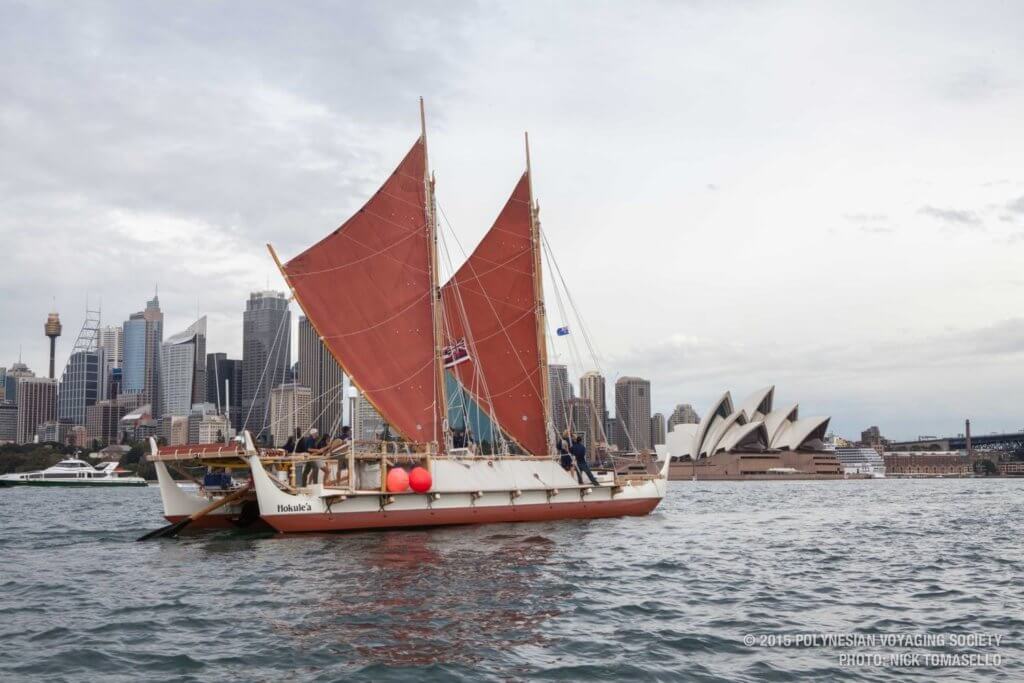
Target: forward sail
368, 290
491, 317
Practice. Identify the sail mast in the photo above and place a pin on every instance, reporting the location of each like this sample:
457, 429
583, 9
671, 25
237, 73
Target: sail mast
440, 391
541, 318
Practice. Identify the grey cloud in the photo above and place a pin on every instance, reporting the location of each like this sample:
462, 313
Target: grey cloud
1017, 205
951, 216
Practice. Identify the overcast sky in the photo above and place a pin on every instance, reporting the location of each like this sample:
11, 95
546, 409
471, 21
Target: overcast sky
828, 198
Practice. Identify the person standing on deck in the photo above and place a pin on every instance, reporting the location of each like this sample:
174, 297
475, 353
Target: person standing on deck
565, 451
311, 468
579, 451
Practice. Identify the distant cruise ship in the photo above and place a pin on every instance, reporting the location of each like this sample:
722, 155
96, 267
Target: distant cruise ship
863, 461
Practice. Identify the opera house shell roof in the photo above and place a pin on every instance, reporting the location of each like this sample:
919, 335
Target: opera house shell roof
752, 426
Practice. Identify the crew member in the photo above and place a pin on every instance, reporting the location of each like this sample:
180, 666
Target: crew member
579, 451
564, 446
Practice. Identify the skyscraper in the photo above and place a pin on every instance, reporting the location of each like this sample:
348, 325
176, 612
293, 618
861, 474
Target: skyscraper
266, 355
82, 381
592, 388
112, 343
367, 423
16, 372
3, 384
290, 412
224, 386
682, 415
633, 407
657, 429
143, 334
183, 369
8, 422
560, 391
37, 403
321, 373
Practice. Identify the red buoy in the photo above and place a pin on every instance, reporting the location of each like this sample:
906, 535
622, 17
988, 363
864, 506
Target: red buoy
420, 480
398, 480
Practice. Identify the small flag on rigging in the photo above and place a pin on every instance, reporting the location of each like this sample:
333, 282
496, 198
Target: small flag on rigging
563, 331
456, 353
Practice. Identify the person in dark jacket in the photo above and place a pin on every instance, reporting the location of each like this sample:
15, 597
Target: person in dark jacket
564, 446
579, 451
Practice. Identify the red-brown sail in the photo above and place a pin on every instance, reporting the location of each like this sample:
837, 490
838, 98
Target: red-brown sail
490, 308
367, 290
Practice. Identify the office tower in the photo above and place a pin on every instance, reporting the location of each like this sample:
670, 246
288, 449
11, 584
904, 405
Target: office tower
142, 337
207, 425
16, 372
3, 384
559, 392
657, 429
224, 386
82, 381
592, 388
102, 420
266, 355
37, 403
615, 432
684, 414
367, 423
583, 422
52, 329
290, 412
633, 407
174, 429
183, 369
321, 373
112, 344
8, 422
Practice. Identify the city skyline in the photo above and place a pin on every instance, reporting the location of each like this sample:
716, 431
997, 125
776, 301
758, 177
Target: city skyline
733, 160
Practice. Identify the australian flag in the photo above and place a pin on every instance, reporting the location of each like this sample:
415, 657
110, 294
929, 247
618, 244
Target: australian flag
562, 331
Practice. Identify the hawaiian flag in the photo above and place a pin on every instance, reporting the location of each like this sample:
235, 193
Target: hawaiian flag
562, 331
456, 353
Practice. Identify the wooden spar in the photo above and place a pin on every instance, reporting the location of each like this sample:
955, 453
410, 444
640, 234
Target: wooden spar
541, 316
173, 529
441, 391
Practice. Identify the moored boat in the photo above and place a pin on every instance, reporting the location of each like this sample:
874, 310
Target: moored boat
74, 472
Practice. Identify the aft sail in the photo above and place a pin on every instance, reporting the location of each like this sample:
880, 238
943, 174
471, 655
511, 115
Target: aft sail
368, 289
494, 327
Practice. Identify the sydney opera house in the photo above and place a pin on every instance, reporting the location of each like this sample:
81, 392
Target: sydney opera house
751, 440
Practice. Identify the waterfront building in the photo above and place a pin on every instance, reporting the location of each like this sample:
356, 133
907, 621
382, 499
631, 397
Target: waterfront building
861, 461
682, 415
559, 393
3, 384
16, 372
929, 463
207, 425
102, 421
55, 431
290, 412
224, 386
37, 403
266, 355
8, 422
138, 424
174, 429
183, 369
367, 423
319, 371
633, 408
751, 439
142, 336
657, 429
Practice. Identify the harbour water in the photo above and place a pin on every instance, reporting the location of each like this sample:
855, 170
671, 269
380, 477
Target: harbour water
678, 595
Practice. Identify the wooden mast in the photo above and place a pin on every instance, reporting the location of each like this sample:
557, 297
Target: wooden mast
541, 316
440, 393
